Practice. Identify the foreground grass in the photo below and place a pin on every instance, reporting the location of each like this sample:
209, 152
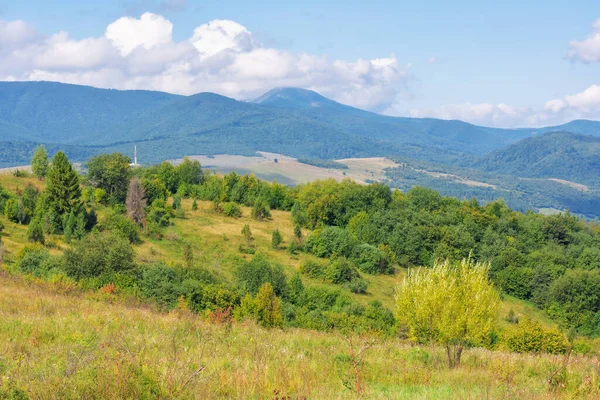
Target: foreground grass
55, 345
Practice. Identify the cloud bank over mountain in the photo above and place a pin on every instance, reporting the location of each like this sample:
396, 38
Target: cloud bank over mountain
225, 57
220, 56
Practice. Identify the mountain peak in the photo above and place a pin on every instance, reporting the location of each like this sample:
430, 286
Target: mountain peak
297, 98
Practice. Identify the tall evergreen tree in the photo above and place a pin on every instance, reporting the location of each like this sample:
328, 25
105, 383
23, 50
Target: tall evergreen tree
62, 187
39, 162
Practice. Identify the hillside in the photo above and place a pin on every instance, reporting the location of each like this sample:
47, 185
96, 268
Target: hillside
289, 121
559, 155
89, 338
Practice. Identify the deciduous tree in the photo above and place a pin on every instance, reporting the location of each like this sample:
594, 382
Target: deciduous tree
453, 304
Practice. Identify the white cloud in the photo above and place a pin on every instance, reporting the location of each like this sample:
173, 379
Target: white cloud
128, 33
15, 33
221, 56
583, 105
587, 50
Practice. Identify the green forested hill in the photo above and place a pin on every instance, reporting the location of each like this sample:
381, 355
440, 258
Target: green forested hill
560, 155
295, 122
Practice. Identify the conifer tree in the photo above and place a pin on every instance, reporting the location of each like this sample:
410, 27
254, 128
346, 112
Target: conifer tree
62, 187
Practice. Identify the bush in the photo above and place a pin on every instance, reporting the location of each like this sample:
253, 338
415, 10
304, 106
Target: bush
161, 284
330, 242
276, 239
251, 275
312, 269
261, 209
98, 254
340, 271
35, 232
30, 259
371, 260
122, 226
246, 249
531, 337
231, 210
265, 307
358, 286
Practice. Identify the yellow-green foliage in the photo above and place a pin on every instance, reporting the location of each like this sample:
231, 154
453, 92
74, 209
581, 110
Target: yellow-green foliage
531, 337
265, 307
453, 304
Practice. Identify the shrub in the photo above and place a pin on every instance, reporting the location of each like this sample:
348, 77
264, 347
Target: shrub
330, 242
97, 254
161, 284
370, 259
276, 239
292, 248
358, 286
246, 249
265, 307
231, 210
30, 259
251, 275
451, 303
531, 337
312, 269
122, 226
340, 271
35, 232
261, 209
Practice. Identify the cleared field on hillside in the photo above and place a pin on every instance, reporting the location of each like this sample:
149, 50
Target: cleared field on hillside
288, 170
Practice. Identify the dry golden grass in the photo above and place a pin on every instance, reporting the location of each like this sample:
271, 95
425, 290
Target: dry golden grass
57, 346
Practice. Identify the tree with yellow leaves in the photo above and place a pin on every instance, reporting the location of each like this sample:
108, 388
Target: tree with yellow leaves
453, 304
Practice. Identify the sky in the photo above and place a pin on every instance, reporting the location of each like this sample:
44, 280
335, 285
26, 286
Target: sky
495, 63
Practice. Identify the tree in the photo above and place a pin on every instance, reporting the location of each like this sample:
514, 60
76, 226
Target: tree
276, 239
190, 172
453, 304
298, 232
35, 233
247, 234
63, 193
195, 205
136, 201
39, 162
265, 307
110, 172
268, 307
261, 209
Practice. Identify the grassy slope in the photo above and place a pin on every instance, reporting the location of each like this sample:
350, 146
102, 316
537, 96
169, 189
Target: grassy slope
79, 345
57, 345
215, 239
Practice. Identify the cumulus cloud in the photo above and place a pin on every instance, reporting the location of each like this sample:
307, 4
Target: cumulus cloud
587, 50
220, 56
583, 105
128, 33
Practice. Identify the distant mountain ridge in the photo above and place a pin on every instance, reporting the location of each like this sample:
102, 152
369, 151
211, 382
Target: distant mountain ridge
291, 121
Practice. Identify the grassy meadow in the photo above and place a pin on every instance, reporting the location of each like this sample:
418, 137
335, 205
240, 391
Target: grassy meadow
58, 345
60, 342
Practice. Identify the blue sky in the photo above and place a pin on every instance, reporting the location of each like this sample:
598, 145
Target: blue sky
490, 62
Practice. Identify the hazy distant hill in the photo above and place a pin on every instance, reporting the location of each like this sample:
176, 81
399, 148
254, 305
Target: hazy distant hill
291, 121
296, 122
560, 155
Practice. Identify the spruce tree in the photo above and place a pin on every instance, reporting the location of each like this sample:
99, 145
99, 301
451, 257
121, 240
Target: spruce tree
62, 187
